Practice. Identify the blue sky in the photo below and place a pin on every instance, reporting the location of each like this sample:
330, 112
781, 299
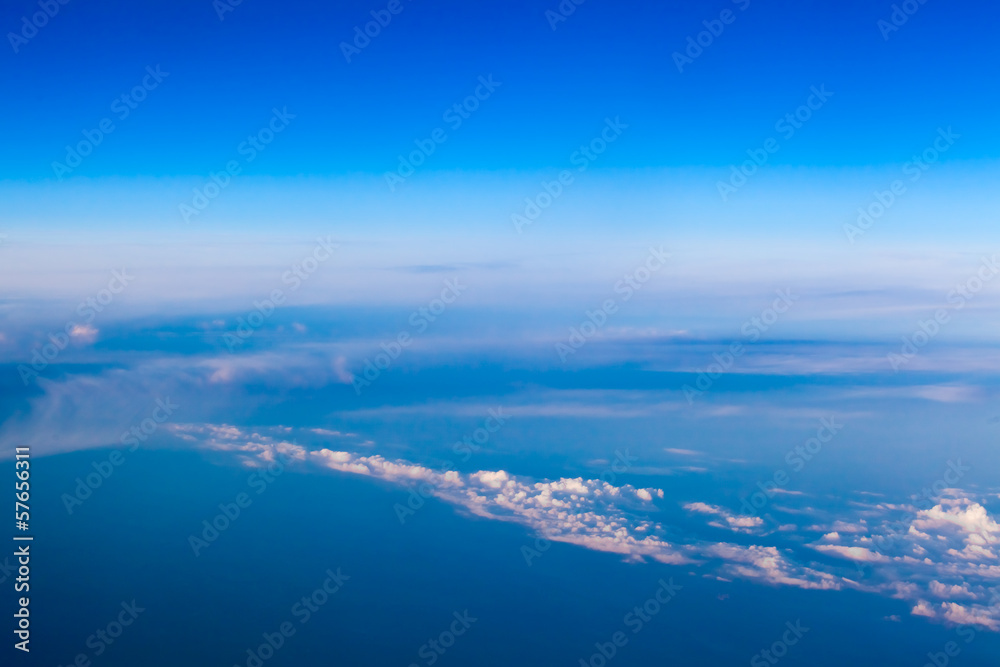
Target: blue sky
219, 81
606, 59
702, 260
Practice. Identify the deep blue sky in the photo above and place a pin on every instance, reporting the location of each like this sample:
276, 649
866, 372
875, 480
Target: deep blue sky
607, 59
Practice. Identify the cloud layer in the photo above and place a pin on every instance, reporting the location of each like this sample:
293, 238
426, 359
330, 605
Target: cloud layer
944, 559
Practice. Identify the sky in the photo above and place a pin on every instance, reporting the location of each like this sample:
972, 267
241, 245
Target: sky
350, 124
223, 75
535, 306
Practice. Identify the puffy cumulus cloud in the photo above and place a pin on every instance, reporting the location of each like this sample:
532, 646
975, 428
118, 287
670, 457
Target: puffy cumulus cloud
590, 513
252, 447
872, 553
736, 523
969, 519
954, 613
497, 479
587, 512
769, 565
947, 551
377, 466
951, 592
702, 508
973, 552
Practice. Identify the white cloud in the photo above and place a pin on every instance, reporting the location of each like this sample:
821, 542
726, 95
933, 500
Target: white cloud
620, 519
960, 615
969, 517
853, 553
923, 608
83, 333
950, 592
769, 565
739, 524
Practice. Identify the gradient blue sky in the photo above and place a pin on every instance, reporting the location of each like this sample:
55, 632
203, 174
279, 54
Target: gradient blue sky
606, 59
657, 183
